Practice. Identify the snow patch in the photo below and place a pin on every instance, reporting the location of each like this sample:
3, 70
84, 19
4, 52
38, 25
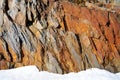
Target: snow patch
32, 73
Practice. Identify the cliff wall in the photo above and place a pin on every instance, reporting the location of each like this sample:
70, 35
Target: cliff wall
58, 36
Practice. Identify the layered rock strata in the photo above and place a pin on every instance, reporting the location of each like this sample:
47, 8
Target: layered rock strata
58, 36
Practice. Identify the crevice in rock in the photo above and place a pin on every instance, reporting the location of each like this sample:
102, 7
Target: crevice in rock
108, 22
7, 49
114, 36
100, 26
9, 17
58, 26
42, 54
6, 6
93, 43
106, 60
11, 65
28, 22
21, 52
89, 65
38, 14
65, 24
86, 62
1, 56
79, 43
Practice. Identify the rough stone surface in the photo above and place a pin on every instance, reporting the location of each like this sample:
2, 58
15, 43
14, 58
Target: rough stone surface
58, 36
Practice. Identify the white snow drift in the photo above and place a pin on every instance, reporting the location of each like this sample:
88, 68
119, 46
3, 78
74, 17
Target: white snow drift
32, 73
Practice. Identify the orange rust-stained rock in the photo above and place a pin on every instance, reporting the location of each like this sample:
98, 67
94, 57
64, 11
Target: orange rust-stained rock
3, 64
59, 36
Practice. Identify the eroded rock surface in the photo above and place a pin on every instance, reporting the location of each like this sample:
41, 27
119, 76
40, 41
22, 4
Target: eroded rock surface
58, 36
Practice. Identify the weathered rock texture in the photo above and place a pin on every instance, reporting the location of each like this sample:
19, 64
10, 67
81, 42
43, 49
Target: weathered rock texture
58, 36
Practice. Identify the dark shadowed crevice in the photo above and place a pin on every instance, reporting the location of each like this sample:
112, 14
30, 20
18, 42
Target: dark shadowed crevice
65, 24
21, 52
28, 22
8, 16
59, 26
108, 22
1, 56
6, 6
93, 43
79, 43
38, 14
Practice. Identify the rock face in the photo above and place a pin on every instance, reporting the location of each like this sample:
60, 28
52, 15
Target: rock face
58, 36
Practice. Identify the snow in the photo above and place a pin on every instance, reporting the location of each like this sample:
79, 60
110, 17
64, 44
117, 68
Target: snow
32, 73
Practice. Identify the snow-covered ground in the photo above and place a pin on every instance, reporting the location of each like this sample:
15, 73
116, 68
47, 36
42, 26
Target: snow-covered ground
32, 73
